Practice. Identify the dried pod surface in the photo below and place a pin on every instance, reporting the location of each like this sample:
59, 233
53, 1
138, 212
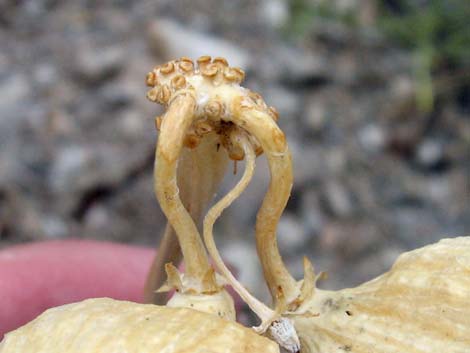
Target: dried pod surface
109, 326
422, 305
205, 97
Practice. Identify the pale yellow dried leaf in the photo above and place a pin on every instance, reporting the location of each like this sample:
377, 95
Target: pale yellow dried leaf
110, 326
422, 305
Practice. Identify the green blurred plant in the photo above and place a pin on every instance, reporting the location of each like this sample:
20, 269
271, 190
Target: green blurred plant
304, 12
437, 31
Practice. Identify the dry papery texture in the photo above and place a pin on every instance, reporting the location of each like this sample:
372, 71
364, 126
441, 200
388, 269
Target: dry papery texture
110, 326
205, 102
420, 306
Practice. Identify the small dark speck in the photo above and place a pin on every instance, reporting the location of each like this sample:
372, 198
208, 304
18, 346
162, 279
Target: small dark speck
147, 318
330, 304
349, 313
346, 348
191, 305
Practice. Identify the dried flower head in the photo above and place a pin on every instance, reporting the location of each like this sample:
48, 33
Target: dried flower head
420, 305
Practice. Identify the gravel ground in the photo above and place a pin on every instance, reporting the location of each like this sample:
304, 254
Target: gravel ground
374, 175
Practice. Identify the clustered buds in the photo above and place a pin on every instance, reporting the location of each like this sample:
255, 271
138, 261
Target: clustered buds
206, 99
179, 76
170, 78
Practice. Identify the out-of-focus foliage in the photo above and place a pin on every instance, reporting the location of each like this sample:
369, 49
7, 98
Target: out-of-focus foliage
436, 31
441, 25
304, 12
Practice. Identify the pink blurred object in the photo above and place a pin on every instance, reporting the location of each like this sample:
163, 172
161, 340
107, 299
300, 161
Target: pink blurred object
37, 276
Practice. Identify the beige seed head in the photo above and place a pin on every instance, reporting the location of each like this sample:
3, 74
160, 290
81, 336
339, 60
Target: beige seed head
168, 68
209, 70
163, 95
151, 79
214, 109
158, 122
178, 82
186, 64
204, 60
222, 62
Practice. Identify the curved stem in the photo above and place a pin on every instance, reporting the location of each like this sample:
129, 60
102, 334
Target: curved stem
259, 124
177, 120
200, 172
263, 312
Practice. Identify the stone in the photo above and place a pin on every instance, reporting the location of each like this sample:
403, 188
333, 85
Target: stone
312, 218
430, 153
292, 234
171, 39
338, 199
275, 13
372, 138
242, 256
94, 65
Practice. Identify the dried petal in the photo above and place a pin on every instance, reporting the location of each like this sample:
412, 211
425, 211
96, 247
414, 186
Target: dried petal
151, 79
107, 326
178, 82
168, 68
186, 64
210, 70
420, 305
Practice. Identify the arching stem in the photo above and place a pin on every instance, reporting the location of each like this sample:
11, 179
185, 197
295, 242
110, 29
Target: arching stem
259, 124
176, 122
200, 172
263, 312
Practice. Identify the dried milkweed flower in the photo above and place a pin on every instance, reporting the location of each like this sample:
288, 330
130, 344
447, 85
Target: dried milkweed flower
109, 326
421, 305
210, 100
300, 309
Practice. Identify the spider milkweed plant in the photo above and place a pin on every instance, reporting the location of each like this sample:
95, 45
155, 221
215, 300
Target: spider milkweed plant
421, 305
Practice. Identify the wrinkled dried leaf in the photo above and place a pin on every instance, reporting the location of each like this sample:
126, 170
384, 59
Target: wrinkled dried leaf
422, 305
110, 326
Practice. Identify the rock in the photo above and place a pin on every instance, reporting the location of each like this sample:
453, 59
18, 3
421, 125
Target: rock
95, 169
430, 153
15, 96
97, 218
171, 39
242, 256
114, 97
15, 90
315, 115
45, 75
291, 234
308, 163
67, 167
293, 66
312, 218
349, 240
335, 158
338, 199
54, 227
131, 125
94, 65
274, 13
287, 103
402, 87
372, 138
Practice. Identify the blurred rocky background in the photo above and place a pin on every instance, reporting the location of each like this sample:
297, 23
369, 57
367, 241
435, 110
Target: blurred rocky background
374, 96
